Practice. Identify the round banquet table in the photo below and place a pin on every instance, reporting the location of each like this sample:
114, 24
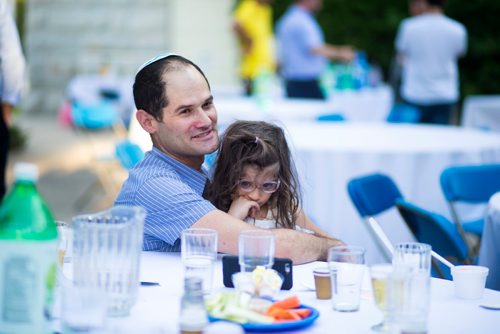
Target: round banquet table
157, 308
371, 104
482, 111
328, 155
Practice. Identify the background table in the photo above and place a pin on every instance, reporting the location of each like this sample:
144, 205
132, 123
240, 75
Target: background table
482, 111
489, 252
365, 105
157, 310
328, 155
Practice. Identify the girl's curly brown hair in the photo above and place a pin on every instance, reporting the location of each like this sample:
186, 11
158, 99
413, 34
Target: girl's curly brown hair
260, 145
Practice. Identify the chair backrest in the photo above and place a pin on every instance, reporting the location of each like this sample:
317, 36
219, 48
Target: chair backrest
434, 229
373, 194
128, 153
331, 118
403, 113
471, 184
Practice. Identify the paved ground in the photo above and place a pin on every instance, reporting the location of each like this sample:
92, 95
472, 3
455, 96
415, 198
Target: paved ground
78, 172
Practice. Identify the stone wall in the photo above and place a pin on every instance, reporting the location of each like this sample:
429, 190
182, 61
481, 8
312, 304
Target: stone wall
65, 38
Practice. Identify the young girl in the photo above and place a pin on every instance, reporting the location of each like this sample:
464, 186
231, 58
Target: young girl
254, 178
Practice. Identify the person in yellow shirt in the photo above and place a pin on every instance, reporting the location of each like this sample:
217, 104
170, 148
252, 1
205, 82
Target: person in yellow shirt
253, 27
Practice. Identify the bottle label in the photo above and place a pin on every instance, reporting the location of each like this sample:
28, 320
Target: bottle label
27, 279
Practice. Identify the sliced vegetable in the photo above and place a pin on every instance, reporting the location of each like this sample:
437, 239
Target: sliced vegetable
281, 314
301, 312
287, 303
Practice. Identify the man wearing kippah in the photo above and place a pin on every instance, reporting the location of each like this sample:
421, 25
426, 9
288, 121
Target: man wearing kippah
176, 107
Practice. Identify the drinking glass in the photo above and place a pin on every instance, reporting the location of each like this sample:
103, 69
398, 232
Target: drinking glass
198, 252
411, 312
106, 254
256, 248
380, 274
348, 261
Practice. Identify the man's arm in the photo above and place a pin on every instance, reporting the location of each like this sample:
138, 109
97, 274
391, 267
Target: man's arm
344, 53
243, 37
298, 246
12, 61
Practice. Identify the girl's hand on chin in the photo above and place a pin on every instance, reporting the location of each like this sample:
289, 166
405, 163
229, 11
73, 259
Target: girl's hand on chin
242, 208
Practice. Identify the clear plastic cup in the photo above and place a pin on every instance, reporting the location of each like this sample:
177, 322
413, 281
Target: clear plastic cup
107, 249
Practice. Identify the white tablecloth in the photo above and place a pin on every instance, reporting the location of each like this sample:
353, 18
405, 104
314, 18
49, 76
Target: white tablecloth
489, 253
328, 155
482, 111
157, 310
366, 105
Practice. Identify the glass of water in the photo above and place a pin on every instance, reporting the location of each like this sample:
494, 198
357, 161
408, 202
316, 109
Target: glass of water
198, 252
348, 261
411, 313
256, 248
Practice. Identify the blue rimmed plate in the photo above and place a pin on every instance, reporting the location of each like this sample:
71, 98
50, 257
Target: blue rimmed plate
279, 326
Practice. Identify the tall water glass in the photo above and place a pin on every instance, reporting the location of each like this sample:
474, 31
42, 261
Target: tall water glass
411, 313
348, 261
256, 248
106, 254
199, 252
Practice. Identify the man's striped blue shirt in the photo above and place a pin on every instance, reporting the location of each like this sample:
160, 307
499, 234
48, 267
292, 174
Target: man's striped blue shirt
171, 192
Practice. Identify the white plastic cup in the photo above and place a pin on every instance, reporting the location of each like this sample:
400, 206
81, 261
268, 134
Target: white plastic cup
469, 281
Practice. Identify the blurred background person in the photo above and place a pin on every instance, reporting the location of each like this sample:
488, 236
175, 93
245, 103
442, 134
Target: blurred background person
12, 66
415, 7
253, 26
429, 46
303, 54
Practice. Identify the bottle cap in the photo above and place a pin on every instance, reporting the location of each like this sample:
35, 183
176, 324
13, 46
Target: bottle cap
25, 171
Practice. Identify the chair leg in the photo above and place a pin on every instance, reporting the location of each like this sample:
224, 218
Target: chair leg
436, 266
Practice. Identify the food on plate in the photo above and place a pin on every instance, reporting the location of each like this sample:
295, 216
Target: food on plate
243, 308
261, 282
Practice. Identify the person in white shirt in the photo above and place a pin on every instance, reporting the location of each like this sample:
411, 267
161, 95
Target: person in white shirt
429, 46
254, 179
12, 67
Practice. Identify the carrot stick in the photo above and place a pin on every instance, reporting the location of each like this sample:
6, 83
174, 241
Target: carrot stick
301, 312
287, 303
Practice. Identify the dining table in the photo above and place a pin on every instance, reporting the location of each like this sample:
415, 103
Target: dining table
369, 104
328, 155
482, 111
158, 305
489, 250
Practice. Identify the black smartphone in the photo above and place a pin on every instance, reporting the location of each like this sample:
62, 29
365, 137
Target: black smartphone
284, 266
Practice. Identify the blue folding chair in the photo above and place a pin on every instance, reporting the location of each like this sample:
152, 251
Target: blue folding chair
372, 195
331, 118
436, 230
403, 113
473, 185
128, 153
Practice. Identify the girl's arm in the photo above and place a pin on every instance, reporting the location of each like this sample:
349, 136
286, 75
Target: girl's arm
304, 222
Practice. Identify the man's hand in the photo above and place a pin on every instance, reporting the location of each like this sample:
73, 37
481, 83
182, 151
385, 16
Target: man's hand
6, 113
